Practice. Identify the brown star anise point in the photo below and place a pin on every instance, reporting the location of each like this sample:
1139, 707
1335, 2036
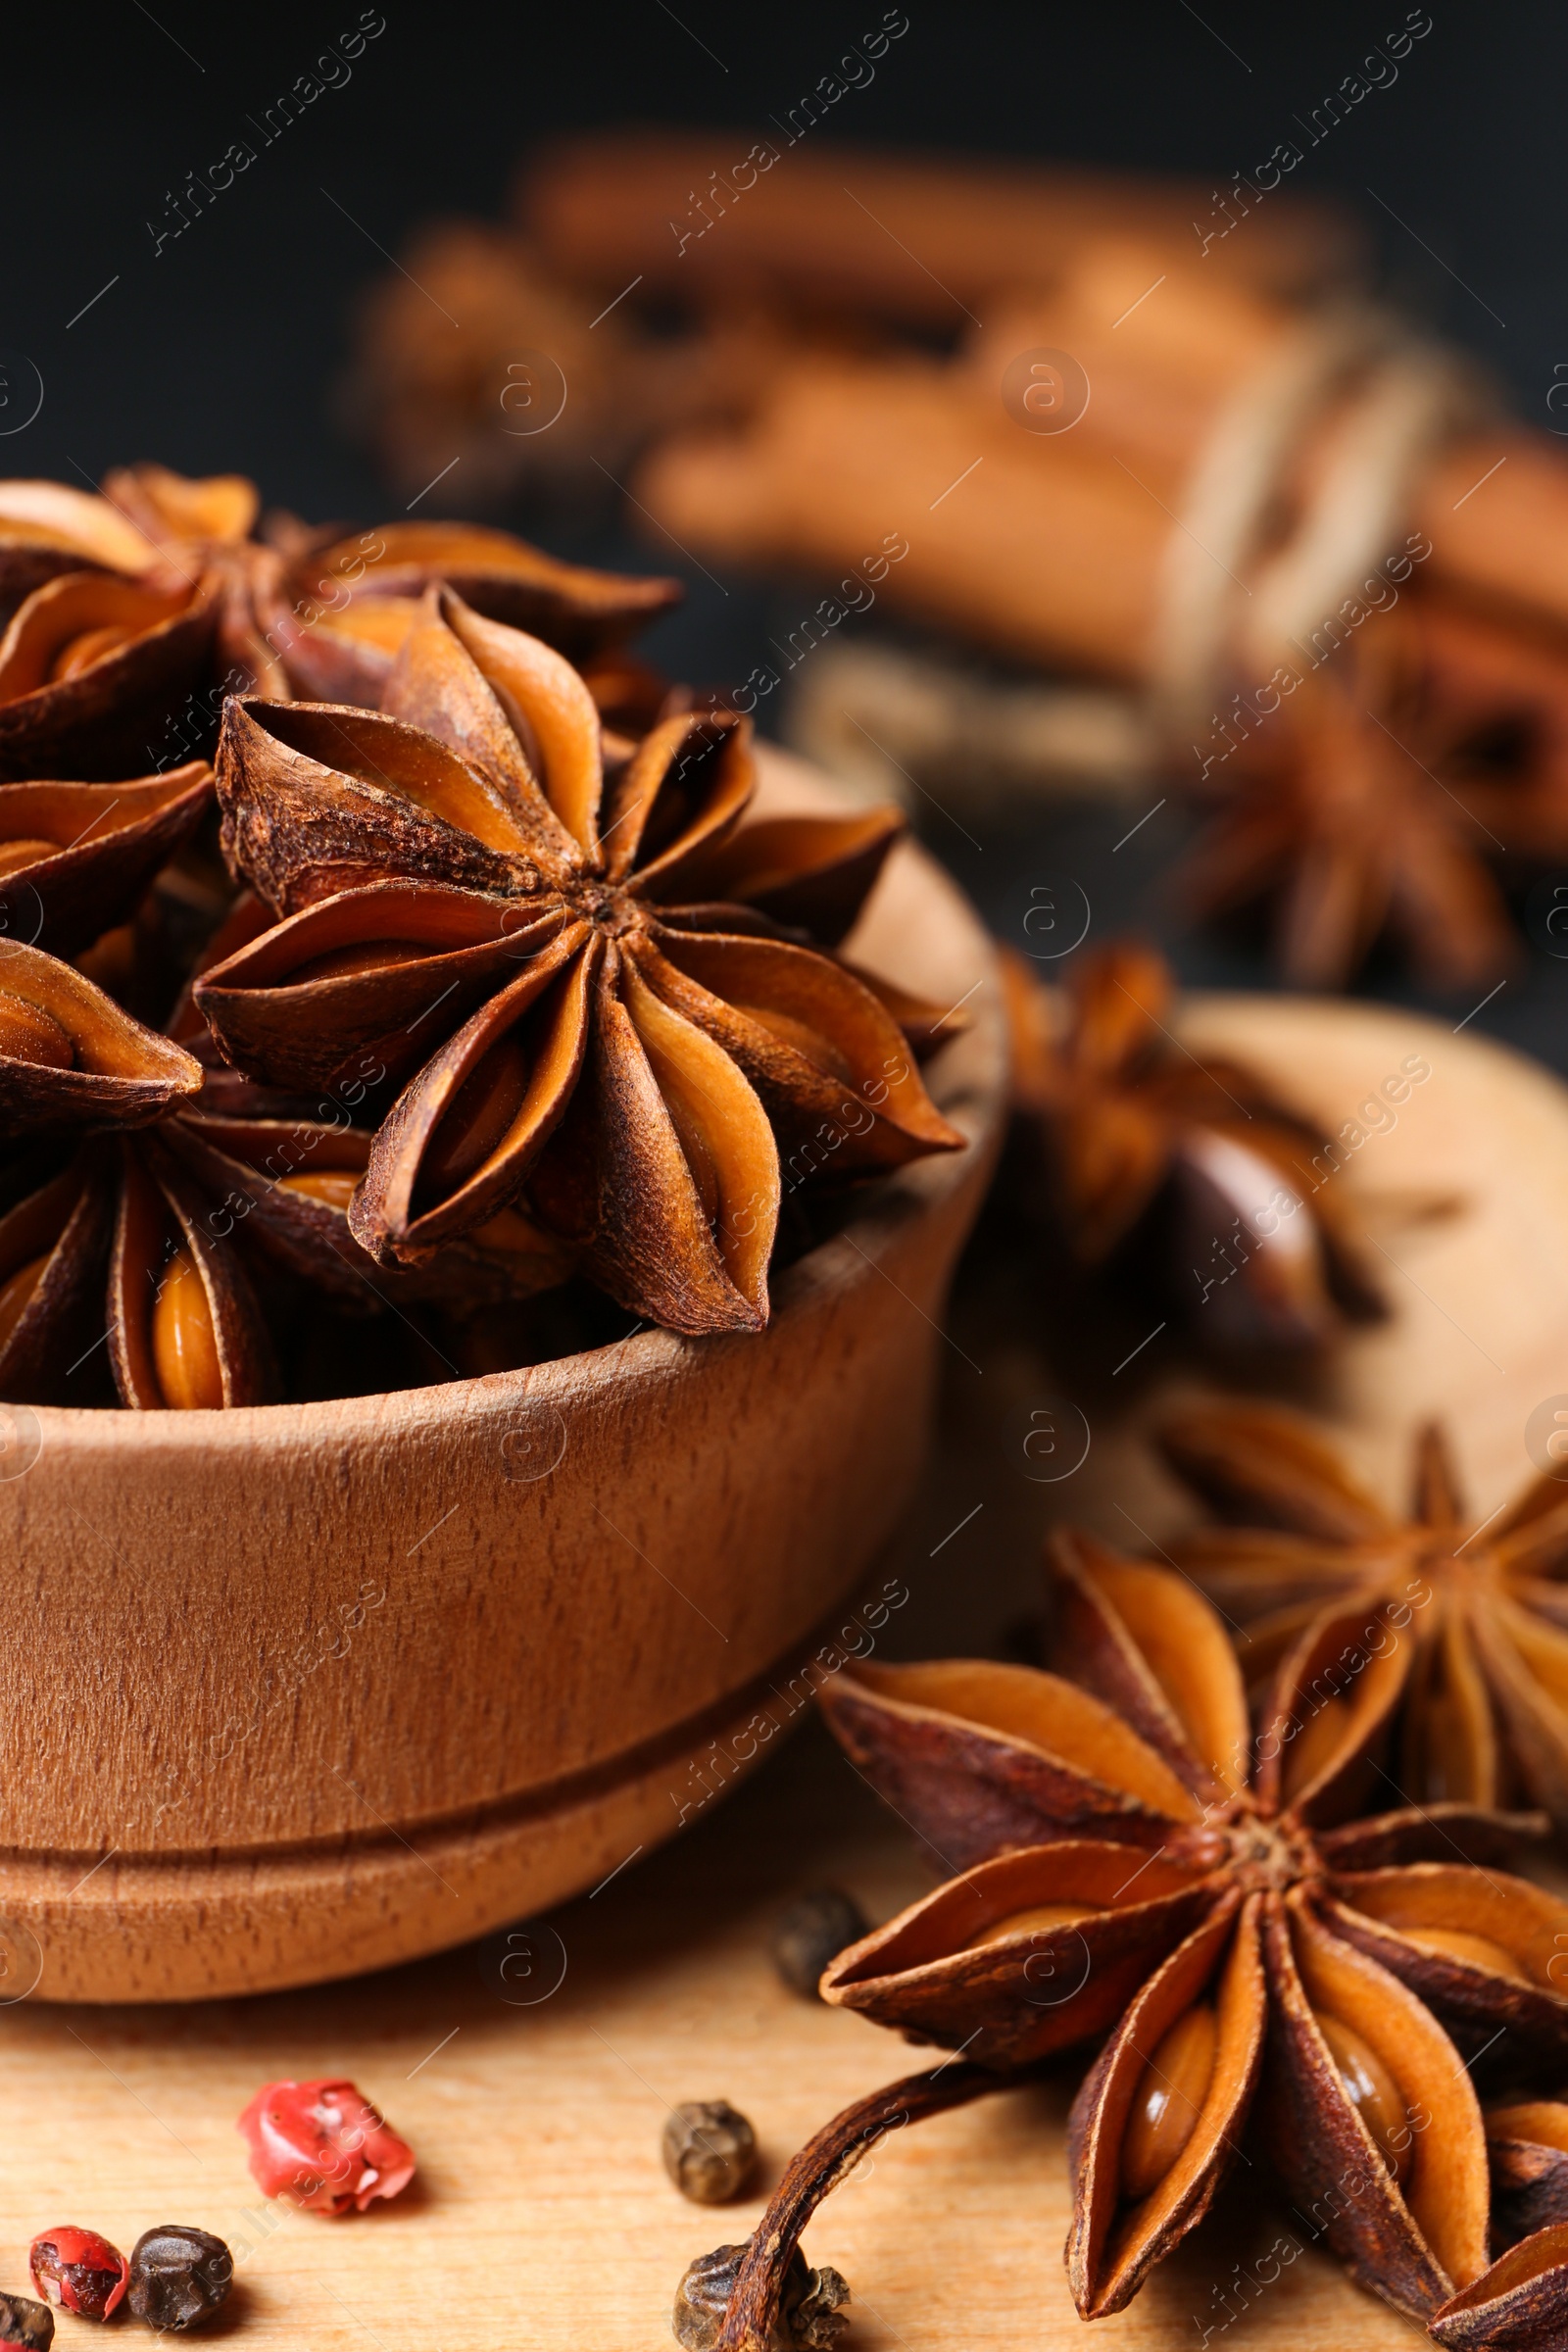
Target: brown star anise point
1243, 1938
475, 882
1471, 1692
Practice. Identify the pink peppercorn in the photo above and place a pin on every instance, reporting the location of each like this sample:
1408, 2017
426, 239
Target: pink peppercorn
80, 2270
324, 2146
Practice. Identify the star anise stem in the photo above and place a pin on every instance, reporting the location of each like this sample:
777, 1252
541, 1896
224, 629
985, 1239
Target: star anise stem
827, 2158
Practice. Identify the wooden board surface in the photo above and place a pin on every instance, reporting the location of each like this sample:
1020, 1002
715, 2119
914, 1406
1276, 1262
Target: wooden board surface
542, 2216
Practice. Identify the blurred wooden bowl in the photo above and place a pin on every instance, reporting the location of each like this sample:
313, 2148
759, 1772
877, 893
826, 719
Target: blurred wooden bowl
301, 1691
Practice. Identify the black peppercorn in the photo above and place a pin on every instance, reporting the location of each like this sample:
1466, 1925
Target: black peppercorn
812, 1930
709, 2151
808, 2316
25, 2321
178, 2276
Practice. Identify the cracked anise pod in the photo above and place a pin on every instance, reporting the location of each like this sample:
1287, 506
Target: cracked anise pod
1477, 1704
106, 632
71, 1058
1526, 2144
172, 1245
74, 859
1197, 1163
1519, 2305
477, 885
1127, 1863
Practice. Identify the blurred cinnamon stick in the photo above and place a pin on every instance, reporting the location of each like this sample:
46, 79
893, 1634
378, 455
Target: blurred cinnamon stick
1053, 546
1027, 545
916, 240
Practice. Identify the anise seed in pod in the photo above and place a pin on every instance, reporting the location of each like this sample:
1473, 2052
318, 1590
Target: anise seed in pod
709, 2151
184, 1340
1371, 2091
1167, 2102
1039, 1920
70, 1057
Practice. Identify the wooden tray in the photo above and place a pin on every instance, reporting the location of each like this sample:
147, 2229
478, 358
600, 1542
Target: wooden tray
542, 2216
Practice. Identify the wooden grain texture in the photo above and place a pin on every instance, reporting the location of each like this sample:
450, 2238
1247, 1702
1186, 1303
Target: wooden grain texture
299, 1690
542, 2216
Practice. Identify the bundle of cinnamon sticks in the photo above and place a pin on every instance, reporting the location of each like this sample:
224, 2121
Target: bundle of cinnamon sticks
1102, 438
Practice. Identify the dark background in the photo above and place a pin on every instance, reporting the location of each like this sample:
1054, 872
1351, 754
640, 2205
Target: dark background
221, 351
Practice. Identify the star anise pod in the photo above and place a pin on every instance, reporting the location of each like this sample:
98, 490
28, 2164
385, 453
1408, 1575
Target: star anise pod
105, 634
120, 602
76, 859
474, 882
177, 1243
1193, 1166
208, 527
181, 1244
121, 1245
1474, 1698
71, 1059
1369, 800
1527, 2143
1523, 2299
305, 611
1125, 1863
580, 612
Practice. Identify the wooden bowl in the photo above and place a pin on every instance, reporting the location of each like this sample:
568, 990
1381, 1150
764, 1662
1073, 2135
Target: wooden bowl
298, 1691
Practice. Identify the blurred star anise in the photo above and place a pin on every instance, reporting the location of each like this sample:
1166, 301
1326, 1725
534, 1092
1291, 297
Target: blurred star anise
1197, 1163
1126, 1862
583, 614
1474, 1695
1370, 799
477, 884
